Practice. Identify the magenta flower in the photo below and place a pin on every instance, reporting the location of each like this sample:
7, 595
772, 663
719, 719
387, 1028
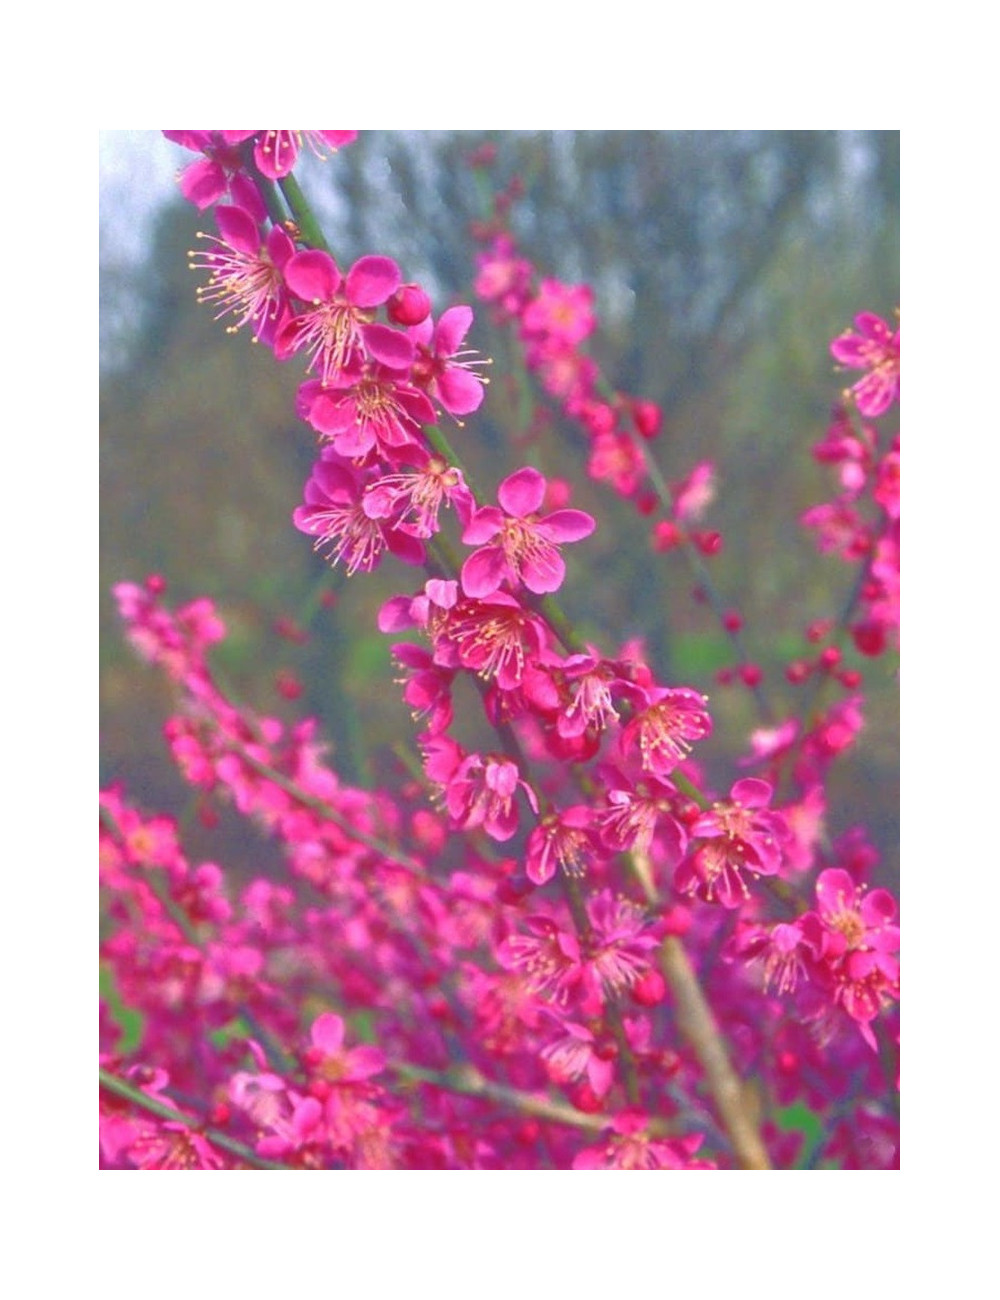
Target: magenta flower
740, 834
665, 730
220, 173
516, 544
855, 943
589, 682
414, 501
575, 1055
338, 329
374, 410
635, 810
561, 840
245, 272
494, 636
560, 311
874, 348
276, 152
428, 686
621, 942
330, 1060
615, 458
482, 793
442, 367
165, 1144
628, 1144
334, 515
546, 955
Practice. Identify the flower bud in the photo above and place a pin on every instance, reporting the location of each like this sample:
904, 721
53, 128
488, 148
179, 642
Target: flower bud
650, 990
648, 418
409, 305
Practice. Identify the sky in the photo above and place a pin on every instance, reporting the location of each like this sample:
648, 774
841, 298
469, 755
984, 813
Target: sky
138, 170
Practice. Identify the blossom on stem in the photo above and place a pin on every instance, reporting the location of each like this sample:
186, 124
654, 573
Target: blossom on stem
495, 636
853, 941
440, 364
334, 515
338, 328
276, 152
413, 500
478, 790
219, 174
740, 834
577, 1054
547, 955
559, 312
245, 272
328, 1059
621, 940
874, 347
666, 728
635, 810
561, 839
516, 544
428, 687
374, 410
628, 1144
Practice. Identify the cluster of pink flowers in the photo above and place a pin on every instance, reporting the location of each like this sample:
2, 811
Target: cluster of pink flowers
484, 983
862, 524
551, 322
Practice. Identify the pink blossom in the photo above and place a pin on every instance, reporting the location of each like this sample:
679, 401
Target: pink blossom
428, 687
665, 730
375, 410
740, 834
636, 810
328, 1059
245, 272
219, 174
503, 278
694, 494
482, 791
334, 515
854, 941
495, 636
628, 1144
872, 347
591, 683
165, 1144
520, 545
616, 459
276, 152
560, 310
577, 1054
442, 367
337, 329
621, 941
547, 955
413, 500
561, 839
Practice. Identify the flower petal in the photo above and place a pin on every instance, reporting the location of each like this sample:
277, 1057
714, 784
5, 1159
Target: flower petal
371, 280
312, 275
522, 493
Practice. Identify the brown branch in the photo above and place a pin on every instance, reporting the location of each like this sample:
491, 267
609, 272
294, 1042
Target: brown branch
698, 1026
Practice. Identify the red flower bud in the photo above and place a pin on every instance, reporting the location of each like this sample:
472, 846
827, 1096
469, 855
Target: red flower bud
650, 990
648, 418
409, 305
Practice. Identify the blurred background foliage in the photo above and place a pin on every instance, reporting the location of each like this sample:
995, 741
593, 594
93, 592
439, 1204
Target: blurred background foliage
722, 262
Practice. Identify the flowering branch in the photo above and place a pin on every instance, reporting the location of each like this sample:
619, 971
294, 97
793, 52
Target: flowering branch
504, 951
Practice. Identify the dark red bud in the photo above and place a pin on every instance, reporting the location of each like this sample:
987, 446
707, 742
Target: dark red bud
409, 305
648, 418
650, 990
